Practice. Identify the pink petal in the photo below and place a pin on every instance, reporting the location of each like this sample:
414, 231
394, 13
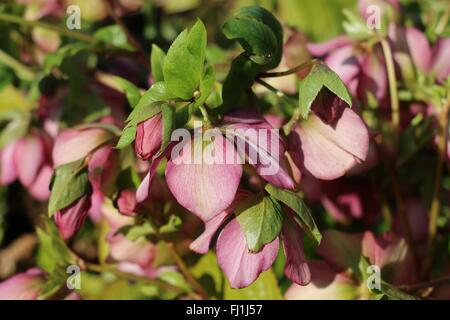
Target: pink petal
8, 170
75, 144
373, 77
324, 48
28, 158
261, 145
203, 188
126, 202
344, 62
40, 189
240, 266
296, 267
441, 62
329, 151
419, 48
202, 243
149, 137
142, 192
23, 286
140, 251
69, 220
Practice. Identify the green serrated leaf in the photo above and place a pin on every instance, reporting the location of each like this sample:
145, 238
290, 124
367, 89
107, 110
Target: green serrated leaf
69, 183
157, 62
320, 76
261, 222
183, 65
293, 201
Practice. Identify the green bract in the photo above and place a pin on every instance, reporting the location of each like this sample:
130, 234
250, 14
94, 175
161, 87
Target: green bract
320, 76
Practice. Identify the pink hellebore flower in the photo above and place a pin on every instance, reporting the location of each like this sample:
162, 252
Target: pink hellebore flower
207, 189
411, 48
331, 278
243, 267
28, 159
74, 144
331, 141
23, 286
149, 137
362, 72
70, 219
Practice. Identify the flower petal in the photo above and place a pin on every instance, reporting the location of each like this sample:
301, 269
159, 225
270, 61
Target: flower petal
240, 266
75, 144
69, 220
296, 267
323, 48
7, 168
40, 189
23, 286
328, 151
204, 188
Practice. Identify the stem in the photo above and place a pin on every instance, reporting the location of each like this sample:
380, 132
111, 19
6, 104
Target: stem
111, 269
295, 116
204, 114
393, 91
185, 271
61, 30
435, 202
22, 70
290, 71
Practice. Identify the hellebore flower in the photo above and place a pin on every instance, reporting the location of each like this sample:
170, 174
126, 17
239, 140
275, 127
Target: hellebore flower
332, 278
412, 49
243, 267
23, 286
149, 137
126, 202
344, 199
362, 72
28, 159
69, 220
331, 141
74, 144
207, 188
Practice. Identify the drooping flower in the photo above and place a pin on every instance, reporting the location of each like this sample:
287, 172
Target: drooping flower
28, 159
241, 266
23, 286
334, 278
331, 141
207, 189
70, 219
149, 137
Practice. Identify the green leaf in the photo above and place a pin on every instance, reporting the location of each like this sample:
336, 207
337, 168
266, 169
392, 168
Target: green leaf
157, 62
114, 35
183, 65
293, 201
261, 222
208, 273
14, 124
127, 137
69, 183
264, 288
147, 107
55, 59
168, 119
320, 76
259, 33
238, 81
395, 294
53, 252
